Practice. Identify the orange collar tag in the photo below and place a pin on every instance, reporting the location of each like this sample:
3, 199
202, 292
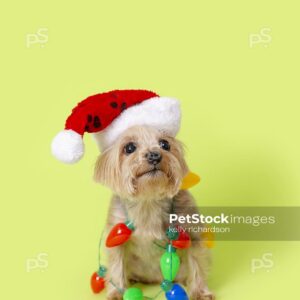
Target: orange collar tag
189, 181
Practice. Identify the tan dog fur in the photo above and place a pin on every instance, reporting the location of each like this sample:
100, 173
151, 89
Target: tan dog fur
146, 197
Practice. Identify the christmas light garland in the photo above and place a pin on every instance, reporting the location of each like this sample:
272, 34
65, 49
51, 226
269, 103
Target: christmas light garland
169, 262
177, 237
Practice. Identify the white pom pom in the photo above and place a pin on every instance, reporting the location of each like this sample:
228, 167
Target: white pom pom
67, 146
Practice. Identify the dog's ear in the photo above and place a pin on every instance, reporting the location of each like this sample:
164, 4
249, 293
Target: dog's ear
180, 153
100, 168
106, 169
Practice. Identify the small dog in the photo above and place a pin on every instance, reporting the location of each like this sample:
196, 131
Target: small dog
144, 168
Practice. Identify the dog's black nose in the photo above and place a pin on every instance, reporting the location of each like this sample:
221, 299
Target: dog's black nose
153, 157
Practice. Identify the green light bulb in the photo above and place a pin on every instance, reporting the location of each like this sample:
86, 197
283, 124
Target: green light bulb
169, 264
133, 294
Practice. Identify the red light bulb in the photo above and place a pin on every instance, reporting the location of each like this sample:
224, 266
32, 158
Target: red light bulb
119, 234
183, 241
97, 283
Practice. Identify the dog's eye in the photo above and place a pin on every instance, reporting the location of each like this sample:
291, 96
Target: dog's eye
164, 145
129, 148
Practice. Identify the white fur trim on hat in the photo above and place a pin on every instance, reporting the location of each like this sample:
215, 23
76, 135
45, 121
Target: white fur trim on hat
67, 146
159, 112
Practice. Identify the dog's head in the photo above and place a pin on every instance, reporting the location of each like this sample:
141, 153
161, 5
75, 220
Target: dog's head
142, 164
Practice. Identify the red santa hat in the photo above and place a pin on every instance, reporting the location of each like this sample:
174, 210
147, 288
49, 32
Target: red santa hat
109, 114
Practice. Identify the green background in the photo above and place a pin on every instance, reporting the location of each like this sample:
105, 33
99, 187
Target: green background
240, 125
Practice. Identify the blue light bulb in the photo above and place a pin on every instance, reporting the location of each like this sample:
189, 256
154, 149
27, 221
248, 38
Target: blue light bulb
177, 293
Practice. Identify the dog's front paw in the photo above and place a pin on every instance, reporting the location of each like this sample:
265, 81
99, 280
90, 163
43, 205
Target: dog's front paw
203, 295
115, 295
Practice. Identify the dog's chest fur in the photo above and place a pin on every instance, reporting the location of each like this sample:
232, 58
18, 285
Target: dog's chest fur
150, 218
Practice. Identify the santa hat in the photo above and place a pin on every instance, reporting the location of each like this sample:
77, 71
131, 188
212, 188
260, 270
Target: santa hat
109, 114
